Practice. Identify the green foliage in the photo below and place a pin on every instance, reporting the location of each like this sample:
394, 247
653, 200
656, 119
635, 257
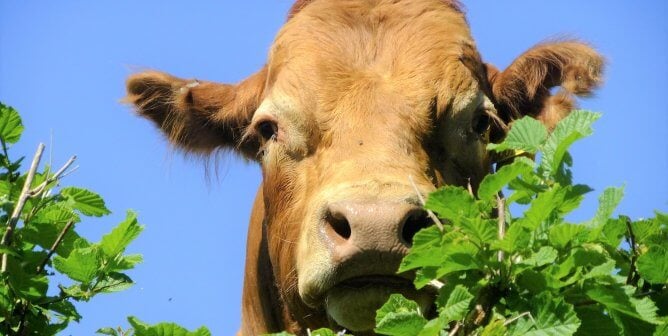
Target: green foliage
543, 275
39, 243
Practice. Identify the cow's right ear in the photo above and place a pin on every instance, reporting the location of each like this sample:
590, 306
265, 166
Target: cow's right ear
199, 116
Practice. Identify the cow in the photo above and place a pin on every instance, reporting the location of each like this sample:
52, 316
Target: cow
362, 104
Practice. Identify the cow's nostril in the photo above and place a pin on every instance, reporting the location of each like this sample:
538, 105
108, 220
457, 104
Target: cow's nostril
415, 222
339, 224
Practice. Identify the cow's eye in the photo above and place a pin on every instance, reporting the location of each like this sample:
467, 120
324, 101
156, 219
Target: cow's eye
481, 123
267, 129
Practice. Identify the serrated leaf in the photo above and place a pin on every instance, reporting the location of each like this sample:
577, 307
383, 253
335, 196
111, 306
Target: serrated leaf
81, 265
26, 283
459, 257
516, 238
113, 282
481, 231
643, 229
85, 201
545, 255
494, 328
562, 234
607, 203
493, 183
118, 239
420, 254
603, 270
526, 134
573, 127
452, 203
553, 317
399, 317
653, 265
457, 305
619, 299
107, 331
164, 329
595, 322
434, 327
45, 229
66, 309
11, 125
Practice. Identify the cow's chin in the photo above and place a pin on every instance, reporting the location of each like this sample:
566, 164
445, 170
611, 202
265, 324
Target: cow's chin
353, 303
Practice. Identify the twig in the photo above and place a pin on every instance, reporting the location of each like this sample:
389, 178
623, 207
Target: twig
422, 202
634, 252
455, 329
469, 187
53, 177
436, 284
519, 317
59, 239
23, 197
501, 205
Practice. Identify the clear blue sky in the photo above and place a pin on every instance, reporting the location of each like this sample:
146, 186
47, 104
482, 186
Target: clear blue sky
63, 66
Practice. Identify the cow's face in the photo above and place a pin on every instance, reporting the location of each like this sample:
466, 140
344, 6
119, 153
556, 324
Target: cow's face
355, 108
362, 106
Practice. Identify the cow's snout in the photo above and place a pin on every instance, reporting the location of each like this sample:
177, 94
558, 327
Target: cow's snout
352, 227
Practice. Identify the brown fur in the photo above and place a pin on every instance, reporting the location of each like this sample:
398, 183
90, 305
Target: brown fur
363, 94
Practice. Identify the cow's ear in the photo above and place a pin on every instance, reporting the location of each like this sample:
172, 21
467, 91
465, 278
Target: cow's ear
524, 88
198, 116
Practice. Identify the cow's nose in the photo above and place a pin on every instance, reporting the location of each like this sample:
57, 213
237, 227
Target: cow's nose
351, 226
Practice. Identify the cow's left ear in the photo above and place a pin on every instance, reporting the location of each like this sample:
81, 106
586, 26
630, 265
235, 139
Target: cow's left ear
524, 88
199, 116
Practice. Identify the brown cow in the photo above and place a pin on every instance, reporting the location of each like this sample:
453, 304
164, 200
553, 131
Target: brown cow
356, 96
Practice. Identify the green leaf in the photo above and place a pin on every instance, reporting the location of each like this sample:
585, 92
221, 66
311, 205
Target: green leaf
546, 255
459, 257
607, 203
399, 317
11, 126
282, 333
44, 229
481, 231
620, 299
457, 305
85, 201
107, 331
452, 203
113, 282
434, 327
526, 134
25, 282
164, 329
66, 309
421, 254
562, 234
81, 265
653, 265
118, 239
493, 183
494, 328
553, 317
517, 238
575, 126
595, 322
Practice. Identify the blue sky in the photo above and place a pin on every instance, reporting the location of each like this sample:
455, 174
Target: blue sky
63, 66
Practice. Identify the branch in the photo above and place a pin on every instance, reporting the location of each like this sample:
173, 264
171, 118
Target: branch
54, 177
455, 329
422, 202
634, 253
55, 245
23, 197
501, 205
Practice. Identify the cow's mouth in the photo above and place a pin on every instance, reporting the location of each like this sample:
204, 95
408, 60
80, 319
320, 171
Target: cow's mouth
352, 303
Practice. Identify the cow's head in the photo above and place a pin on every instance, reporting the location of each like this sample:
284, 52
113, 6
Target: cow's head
358, 98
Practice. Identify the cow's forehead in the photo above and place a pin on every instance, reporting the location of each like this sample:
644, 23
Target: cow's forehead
333, 50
